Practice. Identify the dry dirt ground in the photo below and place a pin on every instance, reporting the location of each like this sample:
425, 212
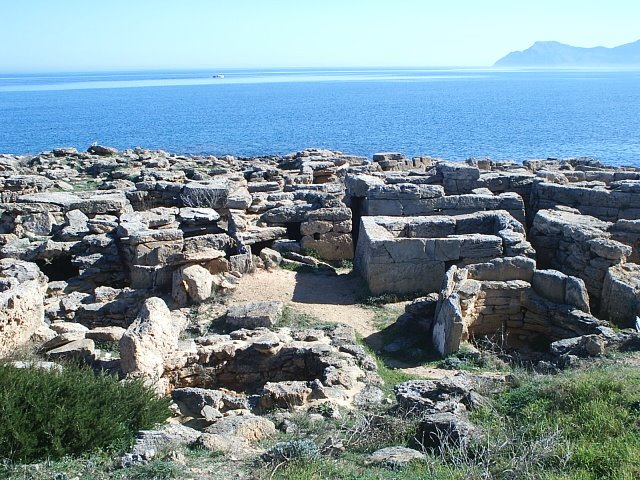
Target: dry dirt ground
330, 298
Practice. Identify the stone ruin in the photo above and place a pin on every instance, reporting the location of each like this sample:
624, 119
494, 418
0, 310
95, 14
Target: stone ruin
512, 302
114, 247
412, 254
110, 247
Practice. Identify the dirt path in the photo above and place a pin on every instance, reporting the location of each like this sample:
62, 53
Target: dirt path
327, 297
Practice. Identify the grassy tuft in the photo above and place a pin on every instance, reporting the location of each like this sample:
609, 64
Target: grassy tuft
295, 319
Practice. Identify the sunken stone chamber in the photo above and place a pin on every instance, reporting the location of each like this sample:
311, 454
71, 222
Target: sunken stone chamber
511, 302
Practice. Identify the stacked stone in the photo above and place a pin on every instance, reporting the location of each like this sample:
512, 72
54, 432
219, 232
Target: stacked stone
512, 303
407, 255
610, 202
420, 195
578, 245
327, 231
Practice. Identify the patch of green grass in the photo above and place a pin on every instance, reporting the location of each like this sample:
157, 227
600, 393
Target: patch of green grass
53, 414
310, 252
344, 264
154, 470
355, 467
390, 376
96, 467
385, 316
474, 361
107, 346
586, 424
368, 299
298, 267
86, 185
295, 319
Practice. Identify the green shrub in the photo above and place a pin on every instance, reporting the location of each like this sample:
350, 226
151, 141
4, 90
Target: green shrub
284, 452
52, 414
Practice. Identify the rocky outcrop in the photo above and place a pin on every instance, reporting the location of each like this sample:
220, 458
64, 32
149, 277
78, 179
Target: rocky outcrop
22, 291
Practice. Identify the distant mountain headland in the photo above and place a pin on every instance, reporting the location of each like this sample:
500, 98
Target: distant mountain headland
556, 54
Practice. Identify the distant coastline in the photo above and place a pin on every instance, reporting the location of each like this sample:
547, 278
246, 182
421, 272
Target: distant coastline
556, 54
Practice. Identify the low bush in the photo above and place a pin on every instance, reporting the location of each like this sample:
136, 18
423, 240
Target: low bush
285, 452
53, 414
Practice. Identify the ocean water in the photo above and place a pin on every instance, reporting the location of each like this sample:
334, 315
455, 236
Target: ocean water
454, 113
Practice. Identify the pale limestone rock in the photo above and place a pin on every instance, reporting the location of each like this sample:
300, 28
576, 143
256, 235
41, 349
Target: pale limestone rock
193, 282
147, 341
22, 290
250, 428
106, 334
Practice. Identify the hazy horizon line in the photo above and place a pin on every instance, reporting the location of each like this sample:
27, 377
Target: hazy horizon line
325, 68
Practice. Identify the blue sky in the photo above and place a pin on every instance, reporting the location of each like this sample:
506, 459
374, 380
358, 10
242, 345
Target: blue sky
81, 35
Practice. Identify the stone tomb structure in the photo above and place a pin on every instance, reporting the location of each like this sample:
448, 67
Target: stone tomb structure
513, 303
412, 254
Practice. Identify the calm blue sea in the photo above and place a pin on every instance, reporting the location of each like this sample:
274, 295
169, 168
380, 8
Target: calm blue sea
453, 113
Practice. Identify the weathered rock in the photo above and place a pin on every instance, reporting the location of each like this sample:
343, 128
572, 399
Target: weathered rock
22, 290
246, 427
453, 394
193, 400
63, 339
102, 150
150, 442
445, 430
106, 334
284, 394
254, 315
148, 340
77, 349
395, 456
621, 294
196, 281
270, 257
330, 246
224, 443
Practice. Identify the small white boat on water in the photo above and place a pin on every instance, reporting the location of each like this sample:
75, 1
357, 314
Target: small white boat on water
218, 75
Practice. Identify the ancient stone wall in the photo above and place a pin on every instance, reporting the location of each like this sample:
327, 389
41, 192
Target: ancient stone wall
414, 198
606, 201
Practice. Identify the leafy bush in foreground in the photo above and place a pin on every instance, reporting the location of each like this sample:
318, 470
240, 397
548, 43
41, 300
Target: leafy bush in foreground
50, 414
